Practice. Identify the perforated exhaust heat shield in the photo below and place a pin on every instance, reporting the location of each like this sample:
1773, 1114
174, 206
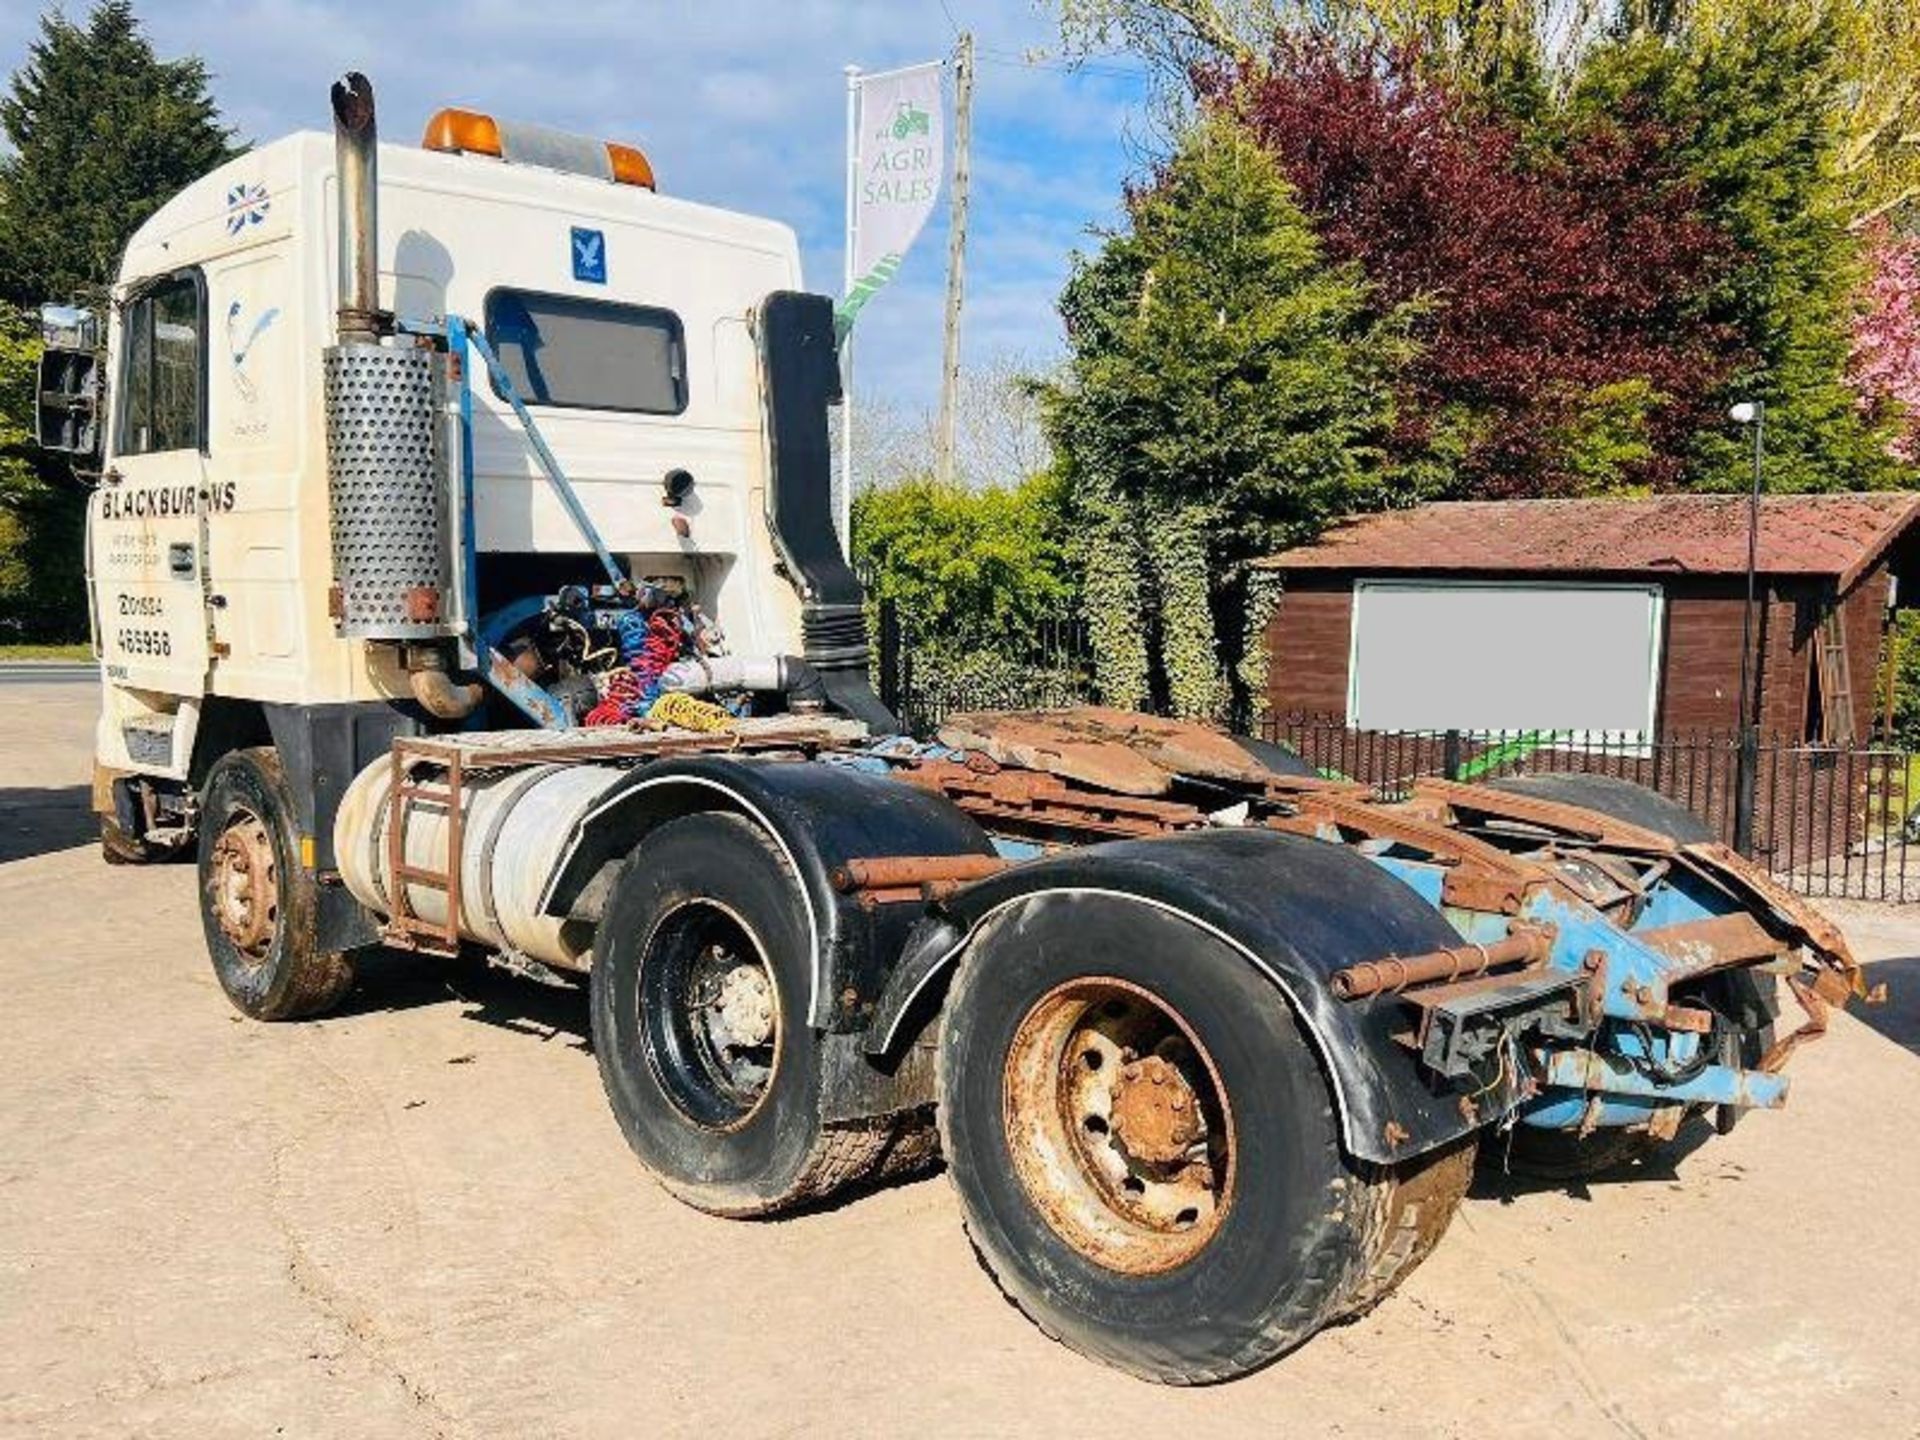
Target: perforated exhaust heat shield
387, 503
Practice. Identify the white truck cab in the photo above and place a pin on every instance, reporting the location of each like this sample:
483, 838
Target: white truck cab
624, 321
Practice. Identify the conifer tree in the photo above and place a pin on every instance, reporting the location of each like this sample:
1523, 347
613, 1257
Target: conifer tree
103, 132
1227, 393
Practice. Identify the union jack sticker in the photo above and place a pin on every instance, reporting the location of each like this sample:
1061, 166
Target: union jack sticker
246, 205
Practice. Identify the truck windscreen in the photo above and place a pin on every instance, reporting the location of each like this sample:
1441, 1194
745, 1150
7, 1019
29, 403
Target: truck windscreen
567, 352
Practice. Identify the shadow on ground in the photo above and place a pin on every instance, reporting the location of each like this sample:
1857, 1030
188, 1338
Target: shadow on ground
37, 821
396, 980
1493, 1180
1899, 1018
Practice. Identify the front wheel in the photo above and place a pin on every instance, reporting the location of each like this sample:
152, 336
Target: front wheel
257, 902
1146, 1148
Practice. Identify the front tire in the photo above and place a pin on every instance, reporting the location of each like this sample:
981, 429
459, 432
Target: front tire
1146, 1149
257, 902
702, 969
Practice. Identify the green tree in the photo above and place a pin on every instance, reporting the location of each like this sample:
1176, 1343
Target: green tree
103, 132
975, 569
1226, 394
1756, 106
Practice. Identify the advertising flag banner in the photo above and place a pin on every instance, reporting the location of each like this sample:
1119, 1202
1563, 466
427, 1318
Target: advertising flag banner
899, 152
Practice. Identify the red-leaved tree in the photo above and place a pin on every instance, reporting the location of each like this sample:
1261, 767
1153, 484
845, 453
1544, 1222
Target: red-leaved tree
1884, 368
1562, 352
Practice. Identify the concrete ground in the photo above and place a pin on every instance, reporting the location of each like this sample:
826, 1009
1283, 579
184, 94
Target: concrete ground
415, 1217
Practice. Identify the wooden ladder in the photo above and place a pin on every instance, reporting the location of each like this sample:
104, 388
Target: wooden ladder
1836, 679
406, 928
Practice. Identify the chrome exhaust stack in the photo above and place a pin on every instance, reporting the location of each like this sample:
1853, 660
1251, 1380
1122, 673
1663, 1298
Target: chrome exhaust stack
386, 460
357, 164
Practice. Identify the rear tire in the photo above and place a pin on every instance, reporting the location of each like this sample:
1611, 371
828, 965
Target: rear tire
701, 979
1181, 1251
257, 902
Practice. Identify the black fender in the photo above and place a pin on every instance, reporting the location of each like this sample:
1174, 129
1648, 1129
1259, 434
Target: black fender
1297, 908
820, 816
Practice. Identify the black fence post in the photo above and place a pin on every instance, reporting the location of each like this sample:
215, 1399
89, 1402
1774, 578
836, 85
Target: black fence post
890, 655
1450, 755
1745, 775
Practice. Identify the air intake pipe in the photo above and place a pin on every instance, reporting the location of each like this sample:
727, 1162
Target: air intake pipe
801, 381
787, 675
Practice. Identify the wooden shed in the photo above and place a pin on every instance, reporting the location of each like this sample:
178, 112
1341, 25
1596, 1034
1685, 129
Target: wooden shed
1595, 616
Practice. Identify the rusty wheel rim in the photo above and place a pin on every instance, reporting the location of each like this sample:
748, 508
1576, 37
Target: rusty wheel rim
1119, 1126
246, 886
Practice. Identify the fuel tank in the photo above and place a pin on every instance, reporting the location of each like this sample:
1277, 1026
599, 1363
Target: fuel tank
515, 825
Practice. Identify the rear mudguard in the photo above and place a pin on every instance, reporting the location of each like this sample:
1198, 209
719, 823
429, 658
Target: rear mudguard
819, 816
1298, 909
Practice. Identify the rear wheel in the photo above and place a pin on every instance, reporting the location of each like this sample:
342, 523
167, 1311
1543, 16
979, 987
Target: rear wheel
1146, 1149
257, 902
701, 976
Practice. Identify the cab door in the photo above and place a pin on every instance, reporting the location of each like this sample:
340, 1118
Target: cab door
148, 540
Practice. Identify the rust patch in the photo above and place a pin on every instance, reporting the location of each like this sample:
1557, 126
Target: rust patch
1033, 799
1710, 944
1392, 975
1588, 825
422, 604
1118, 750
892, 872
1155, 1112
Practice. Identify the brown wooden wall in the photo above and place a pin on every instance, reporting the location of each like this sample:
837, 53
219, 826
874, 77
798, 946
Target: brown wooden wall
1310, 634
1307, 645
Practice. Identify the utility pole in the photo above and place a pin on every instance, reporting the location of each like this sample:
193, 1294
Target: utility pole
956, 254
843, 501
1747, 764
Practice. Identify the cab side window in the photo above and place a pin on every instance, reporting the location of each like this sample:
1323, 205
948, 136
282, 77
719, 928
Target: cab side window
163, 346
578, 354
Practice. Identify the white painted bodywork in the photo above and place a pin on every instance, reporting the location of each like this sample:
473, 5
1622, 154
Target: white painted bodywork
251, 621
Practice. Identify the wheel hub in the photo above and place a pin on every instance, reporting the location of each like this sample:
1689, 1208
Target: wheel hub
743, 1015
1119, 1125
1156, 1115
709, 1014
246, 886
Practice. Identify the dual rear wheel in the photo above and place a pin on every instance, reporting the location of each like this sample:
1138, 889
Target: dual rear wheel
1143, 1142
1147, 1153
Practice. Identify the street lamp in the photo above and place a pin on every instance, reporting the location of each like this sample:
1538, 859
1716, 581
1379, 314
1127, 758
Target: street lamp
1752, 413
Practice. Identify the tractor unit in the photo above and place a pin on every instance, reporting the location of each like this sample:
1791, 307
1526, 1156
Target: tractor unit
463, 581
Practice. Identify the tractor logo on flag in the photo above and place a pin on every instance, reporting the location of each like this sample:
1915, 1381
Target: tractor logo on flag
246, 205
909, 119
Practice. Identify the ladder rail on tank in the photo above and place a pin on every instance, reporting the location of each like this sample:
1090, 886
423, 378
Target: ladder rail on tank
406, 928
459, 757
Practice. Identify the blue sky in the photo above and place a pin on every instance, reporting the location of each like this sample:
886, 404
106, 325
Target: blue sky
738, 103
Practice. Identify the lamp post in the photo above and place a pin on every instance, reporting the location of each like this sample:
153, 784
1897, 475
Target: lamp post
1751, 413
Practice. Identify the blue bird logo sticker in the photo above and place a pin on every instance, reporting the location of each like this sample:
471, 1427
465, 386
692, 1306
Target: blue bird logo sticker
239, 344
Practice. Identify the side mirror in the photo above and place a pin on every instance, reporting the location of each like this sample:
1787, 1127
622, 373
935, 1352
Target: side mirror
70, 398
